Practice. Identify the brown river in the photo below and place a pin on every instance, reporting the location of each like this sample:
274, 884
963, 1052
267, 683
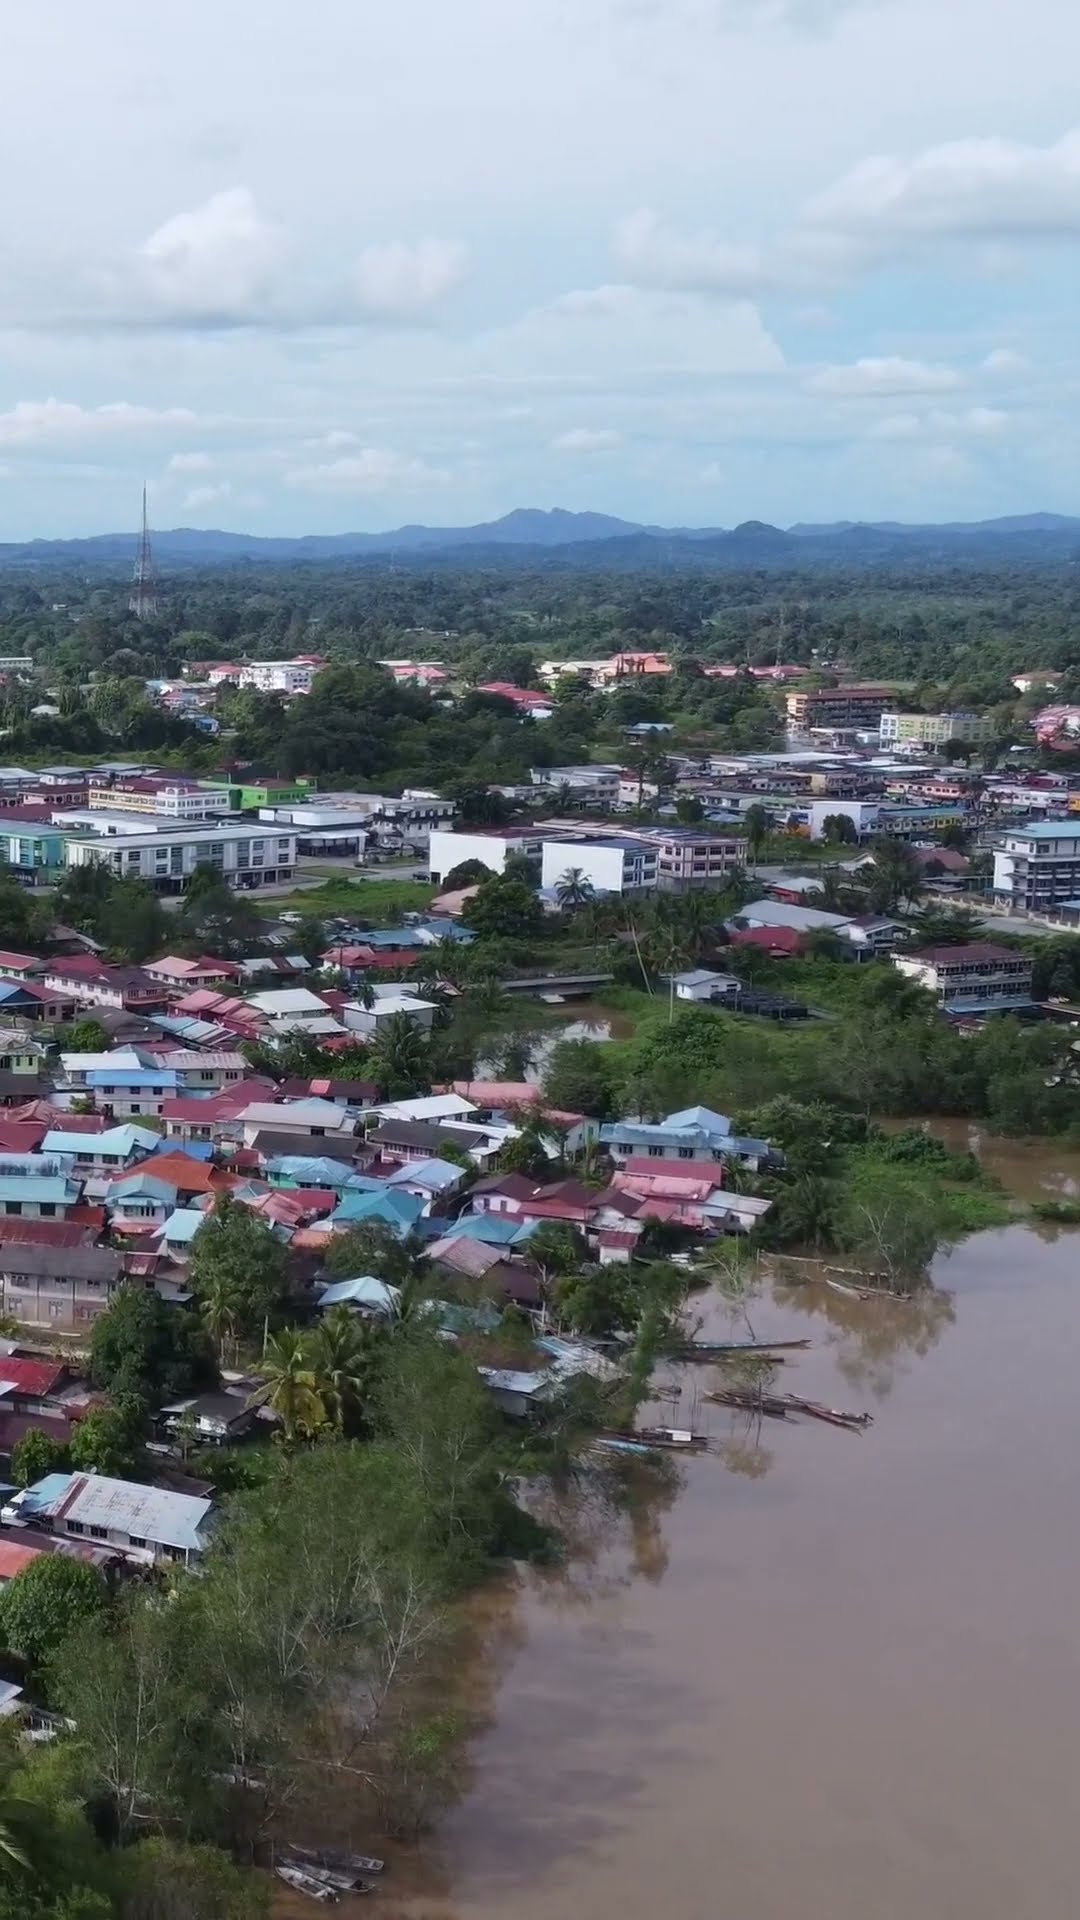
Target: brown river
830, 1674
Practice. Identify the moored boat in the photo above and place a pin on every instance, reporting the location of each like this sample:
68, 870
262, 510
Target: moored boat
304, 1882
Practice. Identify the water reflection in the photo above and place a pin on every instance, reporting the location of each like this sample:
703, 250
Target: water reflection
871, 1337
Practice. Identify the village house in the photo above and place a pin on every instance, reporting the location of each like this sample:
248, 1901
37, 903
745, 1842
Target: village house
22, 1063
145, 1525
93, 1154
183, 975
56, 1286
95, 984
29, 1000
128, 1091
38, 1186
319, 1119
215, 1419
695, 1133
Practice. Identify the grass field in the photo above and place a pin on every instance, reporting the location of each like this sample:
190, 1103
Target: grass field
380, 902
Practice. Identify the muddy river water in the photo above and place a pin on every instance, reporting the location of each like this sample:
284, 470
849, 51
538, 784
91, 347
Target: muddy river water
832, 1675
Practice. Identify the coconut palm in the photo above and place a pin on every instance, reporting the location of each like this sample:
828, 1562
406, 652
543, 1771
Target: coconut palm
290, 1386
222, 1305
574, 889
344, 1356
757, 823
399, 1056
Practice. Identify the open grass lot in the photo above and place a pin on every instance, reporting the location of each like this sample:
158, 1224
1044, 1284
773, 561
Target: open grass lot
379, 902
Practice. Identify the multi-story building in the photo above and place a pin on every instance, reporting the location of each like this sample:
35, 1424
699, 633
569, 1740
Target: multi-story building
447, 849
30, 846
854, 706
173, 799
614, 864
689, 861
974, 978
247, 854
933, 729
281, 676
1037, 866
246, 794
599, 785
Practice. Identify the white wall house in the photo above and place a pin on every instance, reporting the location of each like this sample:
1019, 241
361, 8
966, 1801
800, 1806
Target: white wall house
974, 978
247, 855
1037, 867
280, 676
613, 866
447, 850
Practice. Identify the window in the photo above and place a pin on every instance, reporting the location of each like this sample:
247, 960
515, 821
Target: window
135, 1541
75, 1526
98, 1533
656, 1153
47, 1209
686, 1153
12, 1206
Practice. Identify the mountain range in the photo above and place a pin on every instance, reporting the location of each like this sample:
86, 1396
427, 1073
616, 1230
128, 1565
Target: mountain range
555, 537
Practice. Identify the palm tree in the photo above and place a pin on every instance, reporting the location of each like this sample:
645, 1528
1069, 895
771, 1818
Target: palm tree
756, 821
399, 1056
222, 1307
290, 1386
344, 1356
574, 889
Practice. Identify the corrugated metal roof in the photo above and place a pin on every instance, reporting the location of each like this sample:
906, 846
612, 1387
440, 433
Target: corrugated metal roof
121, 1506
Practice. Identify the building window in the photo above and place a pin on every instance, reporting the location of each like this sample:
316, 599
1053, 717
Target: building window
75, 1526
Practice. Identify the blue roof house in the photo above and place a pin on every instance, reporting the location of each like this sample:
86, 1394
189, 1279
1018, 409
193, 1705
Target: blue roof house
398, 1211
38, 1186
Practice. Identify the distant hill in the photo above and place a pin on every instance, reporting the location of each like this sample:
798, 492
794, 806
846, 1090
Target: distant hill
555, 538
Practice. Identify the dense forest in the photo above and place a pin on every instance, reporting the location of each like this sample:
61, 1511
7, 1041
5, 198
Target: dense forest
953, 636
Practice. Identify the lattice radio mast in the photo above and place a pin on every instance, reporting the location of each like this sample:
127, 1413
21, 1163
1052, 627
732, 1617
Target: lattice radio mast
143, 603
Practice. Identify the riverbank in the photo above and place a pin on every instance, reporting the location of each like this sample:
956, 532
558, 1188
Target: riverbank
812, 1653
834, 1661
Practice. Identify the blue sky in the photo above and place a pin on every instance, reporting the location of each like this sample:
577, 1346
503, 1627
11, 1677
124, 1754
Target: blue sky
698, 261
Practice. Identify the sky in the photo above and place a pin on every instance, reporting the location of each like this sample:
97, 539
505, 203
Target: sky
320, 267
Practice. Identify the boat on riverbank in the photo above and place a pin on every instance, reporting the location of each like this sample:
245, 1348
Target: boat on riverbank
302, 1882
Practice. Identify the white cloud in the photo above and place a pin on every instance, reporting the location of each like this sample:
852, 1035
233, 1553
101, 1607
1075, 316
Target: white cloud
397, 281
871, 377
895, 426
977, 189
1003, 360
32, 423
373, 470
985, 420
204, 496
616, 332
190, 463
653, 255
217, 262
587, 440
977, 422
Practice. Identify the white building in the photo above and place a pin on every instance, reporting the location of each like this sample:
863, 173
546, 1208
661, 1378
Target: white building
973, 978
615, 865
599, 784
1037, 867
280, 676
389, 1001
447, 850
183, 800
701, 984
247, 855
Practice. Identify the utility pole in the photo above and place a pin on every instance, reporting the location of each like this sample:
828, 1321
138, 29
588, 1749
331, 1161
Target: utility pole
143, 602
